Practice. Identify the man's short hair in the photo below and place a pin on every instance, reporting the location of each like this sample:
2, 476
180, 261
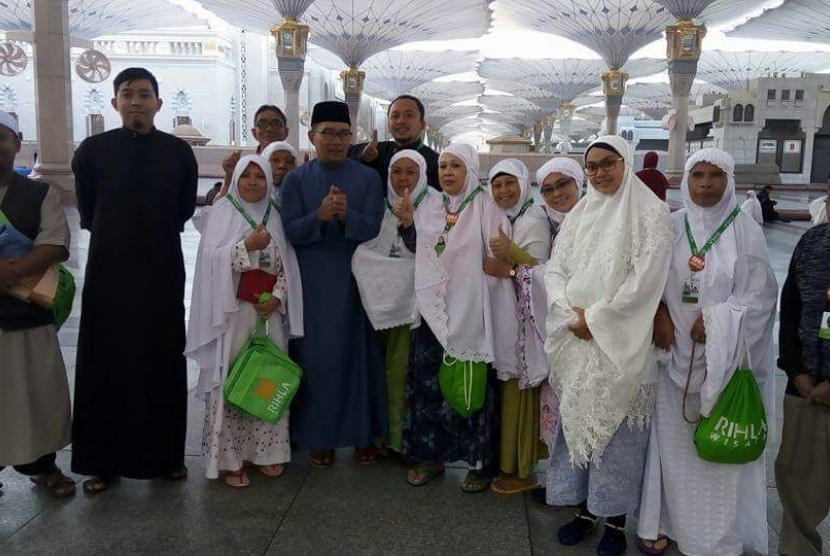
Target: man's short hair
134, 74
416, 100
265, 108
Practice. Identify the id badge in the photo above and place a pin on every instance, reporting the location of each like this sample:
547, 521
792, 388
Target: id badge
395, 250
824, 329
691, 290
265, 258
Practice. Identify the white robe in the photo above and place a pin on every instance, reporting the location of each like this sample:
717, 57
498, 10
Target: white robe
708, 508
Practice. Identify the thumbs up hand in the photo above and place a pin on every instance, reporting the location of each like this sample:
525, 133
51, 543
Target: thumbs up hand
500, 245
404, 210
371, 151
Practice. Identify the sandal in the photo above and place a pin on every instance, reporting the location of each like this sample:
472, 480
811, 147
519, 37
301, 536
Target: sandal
475, 481
367, 456
236, 479
273, 470
178, 475
577, 529
422, 474
96, 485
613, 541
322, 459
58, 484
654, 548
511, 484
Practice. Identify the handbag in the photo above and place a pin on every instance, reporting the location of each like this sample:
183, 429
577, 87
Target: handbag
736, 430
263, 379
463, 384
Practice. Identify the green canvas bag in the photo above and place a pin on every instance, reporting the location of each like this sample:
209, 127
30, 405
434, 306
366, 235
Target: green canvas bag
736, 430
263, 379
463, 384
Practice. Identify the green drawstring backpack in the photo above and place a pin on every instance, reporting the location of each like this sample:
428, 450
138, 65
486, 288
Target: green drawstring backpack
263, 379
463, 384
736, 429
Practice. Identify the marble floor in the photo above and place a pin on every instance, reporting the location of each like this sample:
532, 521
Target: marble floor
349, 509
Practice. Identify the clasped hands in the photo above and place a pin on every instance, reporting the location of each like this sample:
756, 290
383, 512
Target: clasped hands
334, 205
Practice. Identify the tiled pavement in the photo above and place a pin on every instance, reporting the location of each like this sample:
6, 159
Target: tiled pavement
348, 509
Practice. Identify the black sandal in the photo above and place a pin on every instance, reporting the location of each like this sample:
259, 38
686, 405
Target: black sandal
58, 484
96, 485
577, 529
613, 541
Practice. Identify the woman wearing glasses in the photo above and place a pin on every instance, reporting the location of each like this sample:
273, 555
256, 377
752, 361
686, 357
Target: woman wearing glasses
604, 283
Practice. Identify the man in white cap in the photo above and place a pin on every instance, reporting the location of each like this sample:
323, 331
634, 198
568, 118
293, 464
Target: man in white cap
34, 394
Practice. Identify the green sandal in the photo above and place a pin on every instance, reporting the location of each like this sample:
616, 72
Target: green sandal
475, 481
422, 474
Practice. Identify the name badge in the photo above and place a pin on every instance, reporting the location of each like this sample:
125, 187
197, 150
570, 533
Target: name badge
265, 258
824, 329
691, 290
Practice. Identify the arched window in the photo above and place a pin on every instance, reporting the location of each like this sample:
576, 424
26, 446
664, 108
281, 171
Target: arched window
749, 113
738, 113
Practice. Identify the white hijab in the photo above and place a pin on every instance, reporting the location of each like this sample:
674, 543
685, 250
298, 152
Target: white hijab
531, 230
611, 259
472, 315
736, 281
386, 283
568, 167
214, 289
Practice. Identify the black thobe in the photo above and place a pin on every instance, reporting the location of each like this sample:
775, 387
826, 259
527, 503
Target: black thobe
387, 149
135, 193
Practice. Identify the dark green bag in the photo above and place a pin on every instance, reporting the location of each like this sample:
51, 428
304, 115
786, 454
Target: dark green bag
64, 297
463, 384
263, 379
736, 430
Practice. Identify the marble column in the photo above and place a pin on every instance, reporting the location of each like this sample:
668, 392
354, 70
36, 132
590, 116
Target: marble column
353, 88
613, 86
292, 71
681, 76
612, 114
53, 94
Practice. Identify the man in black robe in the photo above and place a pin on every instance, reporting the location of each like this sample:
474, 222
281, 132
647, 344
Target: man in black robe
405, 122
136, 188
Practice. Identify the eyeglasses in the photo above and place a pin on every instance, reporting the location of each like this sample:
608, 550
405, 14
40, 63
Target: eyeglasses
606, 166
330, 135
265, 124
558, 185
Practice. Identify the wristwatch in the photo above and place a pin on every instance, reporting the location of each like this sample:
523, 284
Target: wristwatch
513, 271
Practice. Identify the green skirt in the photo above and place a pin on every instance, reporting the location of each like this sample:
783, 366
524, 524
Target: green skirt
521, 446
397, 341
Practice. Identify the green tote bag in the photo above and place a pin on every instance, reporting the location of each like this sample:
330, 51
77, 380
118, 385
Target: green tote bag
736, 430
263, 379
463, 384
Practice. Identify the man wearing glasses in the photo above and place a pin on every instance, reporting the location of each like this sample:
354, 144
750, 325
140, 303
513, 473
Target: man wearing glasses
329, 206
270, 124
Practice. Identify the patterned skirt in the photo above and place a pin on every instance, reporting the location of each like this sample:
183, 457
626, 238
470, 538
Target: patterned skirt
433, 431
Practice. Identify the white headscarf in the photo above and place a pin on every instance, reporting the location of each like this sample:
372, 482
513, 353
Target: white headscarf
531, 230
611, 259
386, 283
472, 315
279, 146
214, 290
565, 166
818, 211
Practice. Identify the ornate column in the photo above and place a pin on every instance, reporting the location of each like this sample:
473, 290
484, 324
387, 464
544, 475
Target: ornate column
291, 40
613, 87
566, 116
352, 87
53, 94
547, 132
537, 136
683, 44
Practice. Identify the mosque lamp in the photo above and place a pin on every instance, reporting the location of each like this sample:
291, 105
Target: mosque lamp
352, 80
684, 40
613, 83
291, 38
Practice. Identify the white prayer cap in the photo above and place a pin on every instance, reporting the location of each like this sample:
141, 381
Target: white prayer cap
278, 146
7, 120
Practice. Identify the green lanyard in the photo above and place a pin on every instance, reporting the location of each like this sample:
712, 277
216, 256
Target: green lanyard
452, 218
527, 205
697, 261
247, 216
415, 203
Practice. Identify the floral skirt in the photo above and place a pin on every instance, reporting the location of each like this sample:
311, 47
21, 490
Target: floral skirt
433, 431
